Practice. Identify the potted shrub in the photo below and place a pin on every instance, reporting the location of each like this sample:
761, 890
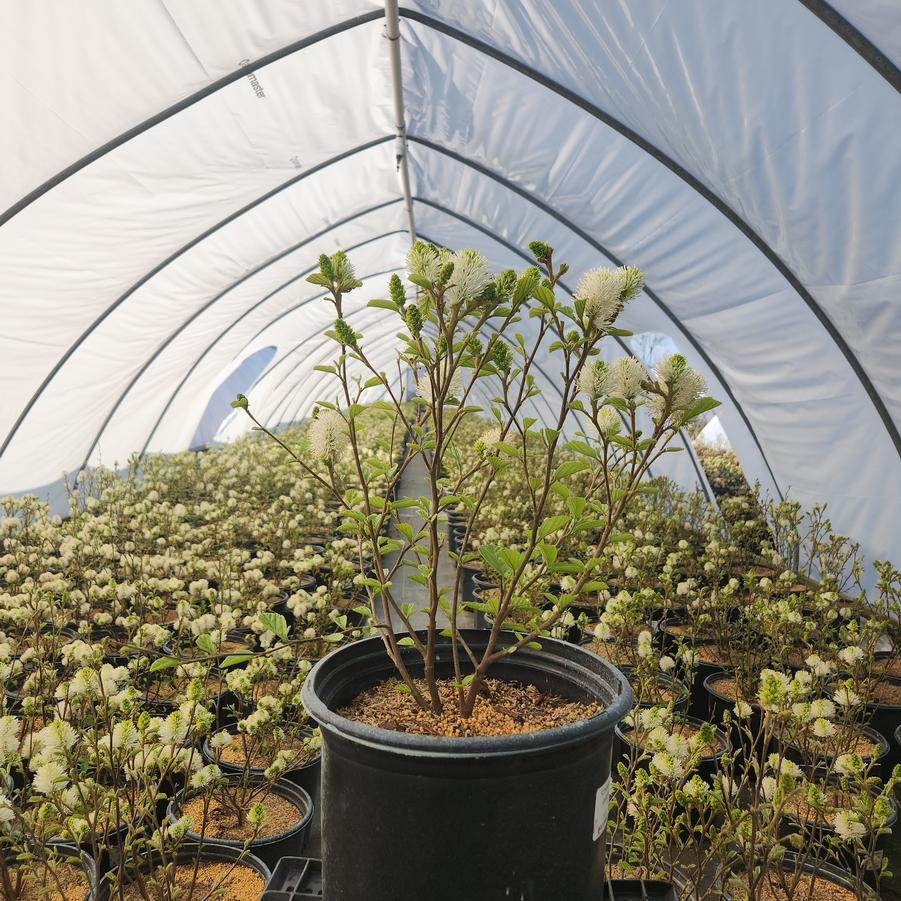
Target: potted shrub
470, 730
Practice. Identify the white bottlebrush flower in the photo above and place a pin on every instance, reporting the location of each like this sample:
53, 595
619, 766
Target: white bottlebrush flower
454, 387
424, 261
628, 374
7, 815
50, 777
9, 734
849, 765
682, 383
818, 666
822, 728
606, 291
609, 423
666, 663
488, 440
742, 709
644, 644
668, 766
850, 655
845, 696
220, 740
822, 708
595, 379
469, 278
328, 436
848, 826
206, 776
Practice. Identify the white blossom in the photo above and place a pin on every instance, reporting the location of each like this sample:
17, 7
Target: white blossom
328, 436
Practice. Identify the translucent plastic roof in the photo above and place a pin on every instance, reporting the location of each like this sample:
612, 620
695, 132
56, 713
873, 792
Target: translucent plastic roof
173, 168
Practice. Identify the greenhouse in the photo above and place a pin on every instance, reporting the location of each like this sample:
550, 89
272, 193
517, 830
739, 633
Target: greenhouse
450, 451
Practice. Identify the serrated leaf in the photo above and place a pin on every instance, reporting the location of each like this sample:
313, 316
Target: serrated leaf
570, 468
383, 304
489, 553
163, 663
552, 524
235, 660
275, 623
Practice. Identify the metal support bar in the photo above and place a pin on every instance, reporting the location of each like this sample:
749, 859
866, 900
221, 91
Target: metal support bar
392, 27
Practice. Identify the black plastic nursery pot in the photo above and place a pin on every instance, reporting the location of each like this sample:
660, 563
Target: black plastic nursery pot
678, 693
845, 852
408, 817
707, 763
827, 871
818, 762
188, 852
884, 718
270, 849
65, 852
306, 776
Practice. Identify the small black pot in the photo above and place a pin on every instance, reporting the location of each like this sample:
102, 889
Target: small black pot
381, 789
678, 690
271, 849
823, 870
306, 776
188, 852
62, 851
707, 764
845, 852
792, 752
884, 718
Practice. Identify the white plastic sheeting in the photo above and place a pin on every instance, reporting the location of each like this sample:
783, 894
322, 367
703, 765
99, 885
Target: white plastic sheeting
173, 168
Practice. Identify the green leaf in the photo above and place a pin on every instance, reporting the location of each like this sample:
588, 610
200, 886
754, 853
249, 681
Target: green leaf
701, 405
234, 660
276, 624
489, 553
383, 304
355, 410
373, 382
552, 524
582, 447
405, 642
164, 663
205, 643
328, 369
570, 468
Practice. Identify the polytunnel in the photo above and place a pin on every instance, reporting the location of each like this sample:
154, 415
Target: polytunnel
173, 169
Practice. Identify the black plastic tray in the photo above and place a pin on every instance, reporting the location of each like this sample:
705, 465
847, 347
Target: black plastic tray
295, 879
638, 890
300, 878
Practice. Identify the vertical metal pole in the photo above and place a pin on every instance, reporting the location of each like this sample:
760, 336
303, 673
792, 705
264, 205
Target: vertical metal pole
392, 20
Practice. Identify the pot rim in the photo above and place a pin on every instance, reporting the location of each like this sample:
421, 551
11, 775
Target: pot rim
282, 787
572, 661
722, 738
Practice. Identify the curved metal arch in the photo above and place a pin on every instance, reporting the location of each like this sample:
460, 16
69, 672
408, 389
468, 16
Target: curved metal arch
515, 250
255, 271
821, 9
571, 226
856, 40
187, 102
694, 183
61, 362
246, 313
